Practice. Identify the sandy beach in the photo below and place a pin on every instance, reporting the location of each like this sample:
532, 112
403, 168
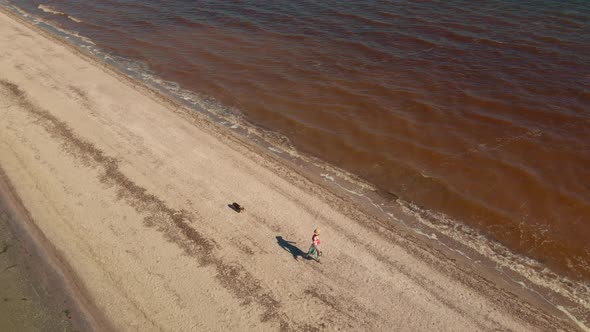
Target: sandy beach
27, 303
128, 196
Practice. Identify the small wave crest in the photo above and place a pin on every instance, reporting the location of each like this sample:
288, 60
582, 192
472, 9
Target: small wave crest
528, 273
52, 10
74, 19
536, 274
432, 225
52, 26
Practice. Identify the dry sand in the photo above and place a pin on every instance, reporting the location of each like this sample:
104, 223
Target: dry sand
129, 197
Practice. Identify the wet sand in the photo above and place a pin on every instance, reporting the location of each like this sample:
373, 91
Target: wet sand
475, 112
33, 297
22, 307
129, 196
36, 294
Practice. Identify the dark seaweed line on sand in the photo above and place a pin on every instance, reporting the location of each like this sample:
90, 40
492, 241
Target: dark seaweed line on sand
174, 224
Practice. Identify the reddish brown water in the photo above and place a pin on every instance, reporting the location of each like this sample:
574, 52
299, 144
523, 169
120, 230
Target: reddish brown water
476, 111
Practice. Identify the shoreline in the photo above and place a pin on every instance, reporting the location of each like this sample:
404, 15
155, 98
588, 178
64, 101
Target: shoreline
251, 151
431, 225
447, 175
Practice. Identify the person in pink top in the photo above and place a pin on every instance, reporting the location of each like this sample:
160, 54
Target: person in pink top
314, 250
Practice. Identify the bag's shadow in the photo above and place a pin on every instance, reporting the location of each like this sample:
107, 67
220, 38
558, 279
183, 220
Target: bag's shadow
291, 248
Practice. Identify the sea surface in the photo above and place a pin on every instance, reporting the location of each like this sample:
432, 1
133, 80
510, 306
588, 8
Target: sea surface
477, 110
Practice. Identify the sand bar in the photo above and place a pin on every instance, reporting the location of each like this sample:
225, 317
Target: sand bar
131, 197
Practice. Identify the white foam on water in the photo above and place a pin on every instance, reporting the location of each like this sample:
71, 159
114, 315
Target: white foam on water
581, 325
463, 254
327, 177
430, 236
51, 10
20, 11
274, 150
77, 20
67, 33
529, 269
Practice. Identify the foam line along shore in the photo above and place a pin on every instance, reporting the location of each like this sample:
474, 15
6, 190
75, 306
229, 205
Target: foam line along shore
90, 130
479, 114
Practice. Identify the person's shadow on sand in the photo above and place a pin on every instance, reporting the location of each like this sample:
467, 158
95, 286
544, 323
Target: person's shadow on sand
288, 246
